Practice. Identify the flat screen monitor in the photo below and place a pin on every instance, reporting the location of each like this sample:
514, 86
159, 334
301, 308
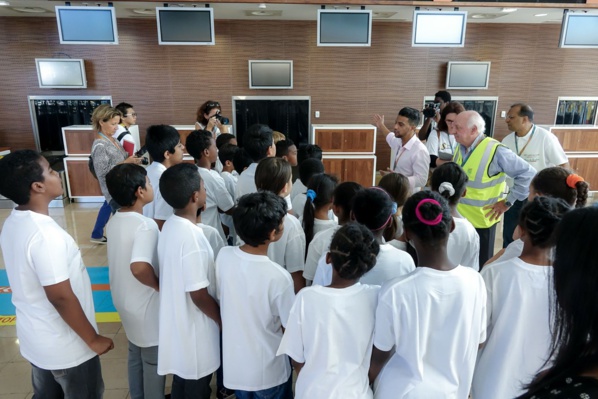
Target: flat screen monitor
270, 74
345, 28
579, 31
86, 25
61, 74
439, 28
467, 75
185, 26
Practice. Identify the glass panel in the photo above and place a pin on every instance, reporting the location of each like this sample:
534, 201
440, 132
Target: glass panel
576, 112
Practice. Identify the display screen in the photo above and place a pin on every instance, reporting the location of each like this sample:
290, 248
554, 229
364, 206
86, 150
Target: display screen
467, 75
439, 29
579, 30
270, 74
186, 26
53, 73
344, 28
86, 25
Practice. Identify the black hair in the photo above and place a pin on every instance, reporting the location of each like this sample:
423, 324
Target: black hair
159, 139
308, 168
197, 142
308, 151
282, 147
575, 331
257, 140
123, 180
323, 185
411, 114
353, 251
454, 174
241, 160
373, 208
343, 197
19, 170
272, 174
552, 182
444, 95
539, 218
397, 186
453, 107
223, 139
178, 183
227, 153
432, 235
525, 110
123, 107
256, 215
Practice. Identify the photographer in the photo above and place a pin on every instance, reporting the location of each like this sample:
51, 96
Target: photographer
441, 142
432, 113
210, 119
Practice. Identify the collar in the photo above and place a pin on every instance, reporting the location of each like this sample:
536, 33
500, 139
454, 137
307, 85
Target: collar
531, 129
407, 146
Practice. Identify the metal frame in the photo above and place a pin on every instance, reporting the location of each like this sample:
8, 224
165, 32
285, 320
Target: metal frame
559, 99
86, 8
463, 15
369, 42
448, 73
565, 25
257, 62
210, 10
79, 61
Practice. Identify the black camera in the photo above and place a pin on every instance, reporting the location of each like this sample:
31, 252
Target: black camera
223, 119
140, 154
431, 109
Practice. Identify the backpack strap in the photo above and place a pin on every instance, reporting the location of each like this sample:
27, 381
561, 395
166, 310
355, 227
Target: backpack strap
123, 134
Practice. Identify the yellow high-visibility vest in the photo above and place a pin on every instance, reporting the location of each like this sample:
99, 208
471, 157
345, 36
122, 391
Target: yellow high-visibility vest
482, 189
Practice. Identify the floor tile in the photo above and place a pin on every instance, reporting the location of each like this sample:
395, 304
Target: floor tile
15, 378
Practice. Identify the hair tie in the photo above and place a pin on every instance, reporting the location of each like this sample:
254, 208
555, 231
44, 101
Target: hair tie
573, 179
395, 208
446, 186
311, 194
421, 218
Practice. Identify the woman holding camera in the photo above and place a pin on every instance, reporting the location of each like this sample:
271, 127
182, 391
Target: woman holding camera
209, 118
441, 142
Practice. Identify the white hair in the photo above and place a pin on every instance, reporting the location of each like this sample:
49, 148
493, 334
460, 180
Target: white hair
475, 119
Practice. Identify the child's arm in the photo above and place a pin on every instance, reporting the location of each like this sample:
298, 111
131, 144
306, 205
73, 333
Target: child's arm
66, 303
144, 273
204, 302
297, 366
298, 281
379, 359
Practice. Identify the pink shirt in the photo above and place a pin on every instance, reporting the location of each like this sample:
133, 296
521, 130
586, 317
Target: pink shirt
411, 160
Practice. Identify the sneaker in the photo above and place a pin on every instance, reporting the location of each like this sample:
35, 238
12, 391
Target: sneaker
101, 240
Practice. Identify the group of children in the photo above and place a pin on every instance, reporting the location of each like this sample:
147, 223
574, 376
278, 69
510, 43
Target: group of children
334, 293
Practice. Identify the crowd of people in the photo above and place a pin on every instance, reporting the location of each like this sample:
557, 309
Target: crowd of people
225, 267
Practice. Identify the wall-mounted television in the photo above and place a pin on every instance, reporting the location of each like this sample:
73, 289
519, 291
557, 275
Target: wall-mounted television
61, 73
86, 25
185, 26
579, 30
467, 75
439, 28
269, 74
345, 28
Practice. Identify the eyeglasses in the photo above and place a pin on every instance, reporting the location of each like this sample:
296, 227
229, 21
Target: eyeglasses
133, 114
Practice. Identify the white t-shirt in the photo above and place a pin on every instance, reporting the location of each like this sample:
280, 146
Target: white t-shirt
213, 237
435, 320
134, 238
256, 296
246, 182
298, 203
463, 246
445, 145
513, 250
230, 181
331, 331
38, 253
298, 188
289, 250
518, 328
217, 196
128, 142
189, 340
158, 208
318, 246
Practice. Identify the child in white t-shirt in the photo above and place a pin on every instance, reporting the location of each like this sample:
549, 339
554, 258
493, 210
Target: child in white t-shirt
258, 144
212, 235
318, 205
189, 342
226, 154
202, 147
399, 189
518, 290
255, 296
133, 266
307, 169
330, 351
274, 175
50, 286
430, 322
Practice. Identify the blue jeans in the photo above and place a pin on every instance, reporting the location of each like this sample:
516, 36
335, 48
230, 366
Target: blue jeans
191, 389
80, 382
282, 391
106, 210
144, 381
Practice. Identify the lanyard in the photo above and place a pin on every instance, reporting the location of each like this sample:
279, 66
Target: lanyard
526, 144
398, 157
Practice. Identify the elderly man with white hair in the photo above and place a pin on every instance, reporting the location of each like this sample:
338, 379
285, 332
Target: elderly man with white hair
487, 163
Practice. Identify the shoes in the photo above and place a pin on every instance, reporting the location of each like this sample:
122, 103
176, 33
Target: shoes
101, 240
225, 393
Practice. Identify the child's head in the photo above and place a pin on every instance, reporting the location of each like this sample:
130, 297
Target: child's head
226, 155
25, 172
202, 146
258, 218
258, 142
274, 175
319, 195
450, 181
308, 151
308, 168
128, 183
538, 219
397, 186
374, 208
288, 150
225, 138
353, 251
163, 142
182, 184
559, 182
427, 216
241, 160
277, 136
343, 200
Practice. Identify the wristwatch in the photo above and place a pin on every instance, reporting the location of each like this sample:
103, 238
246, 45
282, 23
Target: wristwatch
508, 204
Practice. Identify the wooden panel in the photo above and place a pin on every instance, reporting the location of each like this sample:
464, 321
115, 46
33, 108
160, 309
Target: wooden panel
334, 167
577, 139
330, 140
78, 142
360, 171
184, 133
81, 181
587, 168
359, 140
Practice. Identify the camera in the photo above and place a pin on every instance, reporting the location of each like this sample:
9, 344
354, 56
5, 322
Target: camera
223, 119
431, 109
140, 154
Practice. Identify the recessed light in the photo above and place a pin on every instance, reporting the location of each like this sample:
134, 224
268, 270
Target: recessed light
509, 9
31, 10
144, 11
540, 15
4, 3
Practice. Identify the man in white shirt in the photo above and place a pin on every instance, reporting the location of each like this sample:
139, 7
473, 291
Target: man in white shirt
537, 146
411, 157
122, 134
259, 144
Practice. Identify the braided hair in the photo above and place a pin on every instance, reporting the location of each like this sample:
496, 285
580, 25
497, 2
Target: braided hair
353, 251
539, 218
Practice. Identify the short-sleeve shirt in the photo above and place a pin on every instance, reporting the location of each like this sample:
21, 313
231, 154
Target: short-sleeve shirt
441, 144
213, 237
158, 208
217, 196
463, 246
412, 160
318, 246
289, 250
246, 182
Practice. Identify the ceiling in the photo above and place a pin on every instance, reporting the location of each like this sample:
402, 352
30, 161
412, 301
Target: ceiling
269, 11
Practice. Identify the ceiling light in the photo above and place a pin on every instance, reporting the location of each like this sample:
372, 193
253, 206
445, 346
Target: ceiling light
4, 3
31, 10
263, 5
263, 13
144, 11
540, 15
509, 9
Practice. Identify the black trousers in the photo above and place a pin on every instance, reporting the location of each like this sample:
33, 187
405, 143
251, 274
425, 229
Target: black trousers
487, 237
